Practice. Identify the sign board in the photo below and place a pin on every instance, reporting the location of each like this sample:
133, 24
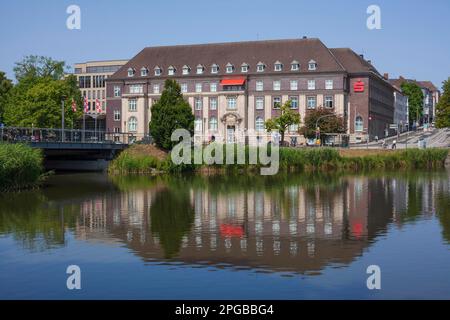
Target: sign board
393, 126
358, 86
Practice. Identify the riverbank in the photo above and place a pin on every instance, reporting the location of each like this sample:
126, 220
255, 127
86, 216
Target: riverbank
21, 167
141, 159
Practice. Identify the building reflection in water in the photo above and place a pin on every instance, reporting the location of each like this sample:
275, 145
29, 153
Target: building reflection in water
294, 227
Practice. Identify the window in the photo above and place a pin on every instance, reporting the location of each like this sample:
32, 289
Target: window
311, 84
171, 71
198, 124
116, 91
260, 67
278, 66
132, 105
213, 124
329, 101
259, 85
329, 84
214, 68
158, 71
295, 66
213, 87
293, 128
311, 102
200, 69
130, 72
116, 115
136, 88
232, 102
229, 68
186, 69
276, 102
144, 72
156, 88
244, 67
132, 124
277, 85
213, 103
116, 130
259, 124
359, 124
312, 65
259, 103
198, 87
184, 87
294, 102
294, 85
198, 103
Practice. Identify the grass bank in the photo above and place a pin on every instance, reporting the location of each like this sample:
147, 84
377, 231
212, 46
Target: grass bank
136, 160
21, 167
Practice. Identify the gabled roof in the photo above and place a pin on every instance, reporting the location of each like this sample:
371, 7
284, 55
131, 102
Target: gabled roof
252, 52
353, 62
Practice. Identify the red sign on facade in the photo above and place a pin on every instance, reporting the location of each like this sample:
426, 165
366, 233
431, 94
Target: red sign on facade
358, 86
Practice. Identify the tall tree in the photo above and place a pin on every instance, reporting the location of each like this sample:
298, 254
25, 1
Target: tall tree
169, 113
329, 122
443, 106
5, 88
415, 98
39, 67
287, 118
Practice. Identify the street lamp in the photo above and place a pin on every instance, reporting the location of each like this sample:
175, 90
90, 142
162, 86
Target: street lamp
62, 118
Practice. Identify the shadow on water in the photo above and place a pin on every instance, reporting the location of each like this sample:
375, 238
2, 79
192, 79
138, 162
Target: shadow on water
290, 223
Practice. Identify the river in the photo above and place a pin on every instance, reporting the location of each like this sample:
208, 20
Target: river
228, 237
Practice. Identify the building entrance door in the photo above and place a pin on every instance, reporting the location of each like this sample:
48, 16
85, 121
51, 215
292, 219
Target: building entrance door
231, 134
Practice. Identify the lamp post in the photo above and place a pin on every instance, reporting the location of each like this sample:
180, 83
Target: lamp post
62, 118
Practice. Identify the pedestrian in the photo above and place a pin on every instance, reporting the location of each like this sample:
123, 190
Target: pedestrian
394, 144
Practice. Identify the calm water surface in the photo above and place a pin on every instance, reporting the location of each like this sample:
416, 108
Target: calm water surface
233, 237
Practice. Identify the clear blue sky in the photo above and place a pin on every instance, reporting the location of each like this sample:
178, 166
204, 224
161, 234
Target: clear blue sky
414, 40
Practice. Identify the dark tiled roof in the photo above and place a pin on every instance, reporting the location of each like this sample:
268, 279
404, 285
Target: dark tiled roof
429, 85
236, 53
352, 62
423, 84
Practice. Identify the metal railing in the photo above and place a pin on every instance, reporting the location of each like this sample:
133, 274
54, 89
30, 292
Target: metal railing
30, 135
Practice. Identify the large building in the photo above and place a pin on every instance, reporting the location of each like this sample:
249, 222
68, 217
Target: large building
91, 78
401, 108
235, 87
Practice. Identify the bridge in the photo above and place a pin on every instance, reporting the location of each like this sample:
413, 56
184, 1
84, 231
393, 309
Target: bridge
71, 149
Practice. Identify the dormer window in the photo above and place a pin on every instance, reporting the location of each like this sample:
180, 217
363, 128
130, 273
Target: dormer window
244, 67
144, 72
171, 71
200, 69
158, 71
130, 72
215, 68
260, 67
186, 70
312, 65
229, 68
295, 66
278, 66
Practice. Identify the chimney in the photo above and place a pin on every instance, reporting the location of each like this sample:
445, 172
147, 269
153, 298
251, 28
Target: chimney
305, 37
361, 56
369, 61
386, 76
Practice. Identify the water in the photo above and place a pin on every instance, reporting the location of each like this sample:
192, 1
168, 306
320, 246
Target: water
232, 237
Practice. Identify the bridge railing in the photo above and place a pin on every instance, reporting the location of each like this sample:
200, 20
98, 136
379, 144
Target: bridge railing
30, 135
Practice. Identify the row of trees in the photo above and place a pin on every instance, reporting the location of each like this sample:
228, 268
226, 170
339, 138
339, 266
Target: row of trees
172, 112
35, 99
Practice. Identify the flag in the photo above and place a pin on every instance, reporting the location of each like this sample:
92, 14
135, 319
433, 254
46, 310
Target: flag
86, 105
74, 106
98, 107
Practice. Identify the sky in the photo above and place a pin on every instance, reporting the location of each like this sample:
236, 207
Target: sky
414, 39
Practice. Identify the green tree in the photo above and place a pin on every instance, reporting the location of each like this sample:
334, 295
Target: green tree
443, 106
37, 102
171, 112
5, 88
329, 122
287, 118
415, 98
39, 67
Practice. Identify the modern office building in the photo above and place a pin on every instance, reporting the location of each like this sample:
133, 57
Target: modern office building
235, 87
91, 78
